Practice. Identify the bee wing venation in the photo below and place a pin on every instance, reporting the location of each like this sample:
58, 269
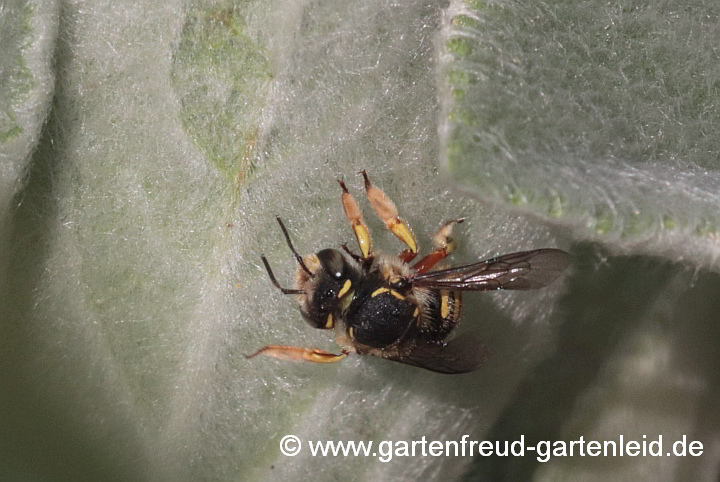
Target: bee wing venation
460, 355
525, 270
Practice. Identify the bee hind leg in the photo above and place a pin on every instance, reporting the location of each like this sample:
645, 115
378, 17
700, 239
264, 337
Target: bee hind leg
444, 243
294, 353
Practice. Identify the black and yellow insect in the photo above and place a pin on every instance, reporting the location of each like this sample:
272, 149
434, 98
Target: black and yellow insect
381, 305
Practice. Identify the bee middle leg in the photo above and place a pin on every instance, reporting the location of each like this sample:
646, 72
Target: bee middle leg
294, 353
445, 246
387, 212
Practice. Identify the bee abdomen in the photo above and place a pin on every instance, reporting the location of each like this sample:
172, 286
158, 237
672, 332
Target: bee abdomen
441, 314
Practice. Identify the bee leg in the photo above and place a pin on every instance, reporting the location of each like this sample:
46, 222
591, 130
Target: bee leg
355, 215
445, 246
294, 353
352, 255
387, 212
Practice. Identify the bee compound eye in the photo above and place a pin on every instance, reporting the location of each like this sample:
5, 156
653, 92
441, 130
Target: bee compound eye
332, 262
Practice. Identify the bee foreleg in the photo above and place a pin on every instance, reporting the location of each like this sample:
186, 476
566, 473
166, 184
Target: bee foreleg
445, 246
294, 353
387, 212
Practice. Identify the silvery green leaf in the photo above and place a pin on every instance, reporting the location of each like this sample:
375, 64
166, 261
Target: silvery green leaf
27, 35
594, 114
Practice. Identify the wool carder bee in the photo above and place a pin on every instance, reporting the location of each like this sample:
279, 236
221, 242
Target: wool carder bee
382, 305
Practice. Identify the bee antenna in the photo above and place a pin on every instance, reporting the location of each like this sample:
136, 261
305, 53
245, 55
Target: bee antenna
274, 281
297, 256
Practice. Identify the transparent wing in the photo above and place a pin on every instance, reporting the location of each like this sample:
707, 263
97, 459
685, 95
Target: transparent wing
525, 270
460, 355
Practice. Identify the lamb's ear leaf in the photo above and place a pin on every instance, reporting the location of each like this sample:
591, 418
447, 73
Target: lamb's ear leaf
178, 131
133, 280
28, 34
591, 115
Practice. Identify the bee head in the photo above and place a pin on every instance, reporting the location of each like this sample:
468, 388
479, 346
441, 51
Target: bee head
326, 290
323, 283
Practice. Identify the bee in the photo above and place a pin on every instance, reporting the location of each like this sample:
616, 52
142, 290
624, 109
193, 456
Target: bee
381, 305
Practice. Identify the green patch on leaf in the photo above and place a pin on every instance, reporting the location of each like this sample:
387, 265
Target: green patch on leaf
478, 4
459, 46
557, 205
458, 94
222, 76
11, 133
517, 197
462, 116
669, 222
603, 222
16, 79
464, 21
459, 78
